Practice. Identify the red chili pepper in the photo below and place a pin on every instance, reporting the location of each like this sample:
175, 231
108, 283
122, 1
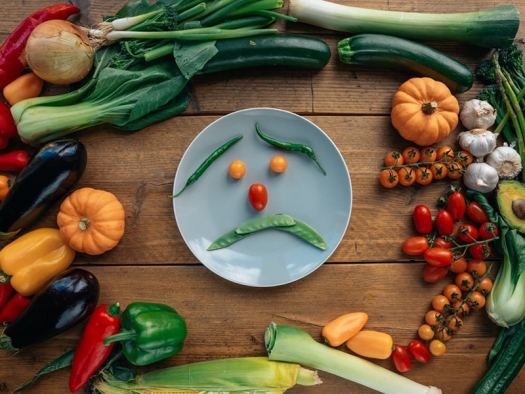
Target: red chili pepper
5, 289
14, 161
12, 62
91, 351
7, 125
14, 308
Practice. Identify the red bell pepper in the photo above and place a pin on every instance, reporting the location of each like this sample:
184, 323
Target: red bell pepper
91, 352
14, 308
5, 289
7, 125
12, 61
14, 161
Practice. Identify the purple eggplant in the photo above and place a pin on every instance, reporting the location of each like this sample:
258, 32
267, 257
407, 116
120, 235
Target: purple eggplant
65, 302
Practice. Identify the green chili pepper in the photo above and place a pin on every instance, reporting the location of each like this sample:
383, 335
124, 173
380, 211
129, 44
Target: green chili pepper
150, 332
206, 163
289, 146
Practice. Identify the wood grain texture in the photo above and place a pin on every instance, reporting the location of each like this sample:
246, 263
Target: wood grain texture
367, 272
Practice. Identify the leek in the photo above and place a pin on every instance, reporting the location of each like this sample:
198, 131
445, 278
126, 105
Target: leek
290, 344
232, 375
489, 28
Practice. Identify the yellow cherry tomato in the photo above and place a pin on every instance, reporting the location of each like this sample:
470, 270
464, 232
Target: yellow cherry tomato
437, 348
278, 164
237, 169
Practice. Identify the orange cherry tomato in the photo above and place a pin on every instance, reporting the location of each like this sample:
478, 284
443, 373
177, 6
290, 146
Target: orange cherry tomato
485, 285
440, 303
455, 170
428, 154
452, 292
465, 158
437, 348
445, 154
237, 169
423, 176
439, 171
433, 318
407, 176
464, 281
458, 266
393, 159
454, 323
411, 155
389, 178
476, 300
461, 308
5, 185
425, 332
477, 268
278, 164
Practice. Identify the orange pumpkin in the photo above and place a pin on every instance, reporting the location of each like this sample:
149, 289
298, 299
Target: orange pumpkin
424, 111
91, 221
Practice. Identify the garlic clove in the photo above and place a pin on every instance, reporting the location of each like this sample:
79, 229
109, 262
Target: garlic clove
506, 161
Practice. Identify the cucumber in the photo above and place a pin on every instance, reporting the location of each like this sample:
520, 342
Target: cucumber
290, 50
378, 50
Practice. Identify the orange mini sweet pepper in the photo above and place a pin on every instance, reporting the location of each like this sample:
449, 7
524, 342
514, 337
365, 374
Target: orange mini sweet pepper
35, 258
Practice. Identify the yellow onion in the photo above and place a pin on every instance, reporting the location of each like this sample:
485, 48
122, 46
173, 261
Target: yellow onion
59, 52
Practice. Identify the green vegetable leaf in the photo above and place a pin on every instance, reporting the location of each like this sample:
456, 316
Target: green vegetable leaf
140, 7
191, 57
516, 248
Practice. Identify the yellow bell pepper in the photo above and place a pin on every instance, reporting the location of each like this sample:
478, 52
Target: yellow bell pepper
35, 258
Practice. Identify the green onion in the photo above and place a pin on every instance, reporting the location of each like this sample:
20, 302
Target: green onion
290, 344
489, 28
246, 375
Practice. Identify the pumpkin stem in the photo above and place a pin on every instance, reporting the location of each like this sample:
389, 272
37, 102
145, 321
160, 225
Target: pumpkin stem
83, 224
430, 107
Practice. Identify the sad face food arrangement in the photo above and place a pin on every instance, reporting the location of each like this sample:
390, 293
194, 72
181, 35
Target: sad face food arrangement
262, 197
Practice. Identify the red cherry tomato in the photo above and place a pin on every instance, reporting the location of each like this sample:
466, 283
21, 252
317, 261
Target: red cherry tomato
258, 196
480, 251
442, 243
401, 358
439, 257
476, 212
433, 274
419, 351
415, 246
444, 222
423, 219
457, 205
468, 233
488, 230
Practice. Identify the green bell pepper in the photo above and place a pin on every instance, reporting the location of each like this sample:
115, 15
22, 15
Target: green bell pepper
149, 333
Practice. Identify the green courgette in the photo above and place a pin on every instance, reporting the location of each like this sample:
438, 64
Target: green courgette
289, 50
377, 50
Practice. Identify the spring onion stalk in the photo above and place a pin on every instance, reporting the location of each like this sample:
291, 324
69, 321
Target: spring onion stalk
233, 375
489, 28
290, 344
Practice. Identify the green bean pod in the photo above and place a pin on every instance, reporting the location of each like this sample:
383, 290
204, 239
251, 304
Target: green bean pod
264, 222
306, 232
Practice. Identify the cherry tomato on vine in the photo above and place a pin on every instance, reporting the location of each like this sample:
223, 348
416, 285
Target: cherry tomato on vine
393, 159
444, 222
423, 176
485, 286
419, 351
477, 268
433, 274
423, 219
476, 212
389, 178
488, 230
442, 242
440, 303
461, 308
445, 154
476, 300
464, 281
456, 205
258, 196
452, 292
411, 155
468, 233
439, 171
428, 154
465, 158
480, 251
407, 176
455, 170
401, 358
459, 265
438, 257
415, 246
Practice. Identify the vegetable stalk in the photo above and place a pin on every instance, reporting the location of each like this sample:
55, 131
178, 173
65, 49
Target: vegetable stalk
489, 28
233, 375
286, 343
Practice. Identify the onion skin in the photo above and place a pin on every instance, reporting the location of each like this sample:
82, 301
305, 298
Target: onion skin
59, 52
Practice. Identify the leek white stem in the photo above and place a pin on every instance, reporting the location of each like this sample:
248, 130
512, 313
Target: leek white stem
126, 23
286, 343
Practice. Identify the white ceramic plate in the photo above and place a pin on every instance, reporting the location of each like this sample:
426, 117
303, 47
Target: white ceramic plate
216, 203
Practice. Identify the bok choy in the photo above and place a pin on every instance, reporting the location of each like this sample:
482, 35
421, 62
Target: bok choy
489, 28
291, 344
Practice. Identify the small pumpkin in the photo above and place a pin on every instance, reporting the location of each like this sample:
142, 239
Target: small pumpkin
424, 111
91, 221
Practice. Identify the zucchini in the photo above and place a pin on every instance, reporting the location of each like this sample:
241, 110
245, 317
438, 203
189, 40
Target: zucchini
378, 50
290, 50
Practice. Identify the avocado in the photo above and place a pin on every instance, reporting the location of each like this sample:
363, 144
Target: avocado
510, 196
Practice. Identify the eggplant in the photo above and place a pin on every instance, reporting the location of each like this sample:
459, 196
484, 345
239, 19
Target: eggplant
47, 177
66, 301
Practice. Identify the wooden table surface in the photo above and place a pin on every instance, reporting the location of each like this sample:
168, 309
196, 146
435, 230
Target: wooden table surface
367, 272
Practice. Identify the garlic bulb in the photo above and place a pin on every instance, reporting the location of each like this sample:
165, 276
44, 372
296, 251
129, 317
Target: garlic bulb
477, 114
481, 177
59, 52
506, 161
478, 142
